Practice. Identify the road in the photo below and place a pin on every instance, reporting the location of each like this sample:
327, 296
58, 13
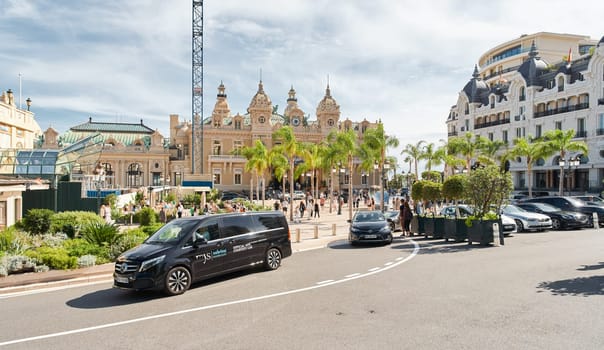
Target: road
539, 291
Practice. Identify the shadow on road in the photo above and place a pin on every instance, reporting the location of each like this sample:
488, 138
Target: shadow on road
580, 286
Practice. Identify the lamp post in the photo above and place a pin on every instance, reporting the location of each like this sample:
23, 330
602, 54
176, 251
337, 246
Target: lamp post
385, 166
572, 162
342, 170
333, 172
28, 103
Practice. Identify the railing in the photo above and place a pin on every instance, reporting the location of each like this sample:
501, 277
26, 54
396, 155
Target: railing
493, 123
582, 133
566, 109
226, 158
453, 133
519, 117
601, 101
522, 98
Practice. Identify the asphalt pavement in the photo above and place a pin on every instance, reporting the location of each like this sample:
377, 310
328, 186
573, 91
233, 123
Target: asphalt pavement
306, 234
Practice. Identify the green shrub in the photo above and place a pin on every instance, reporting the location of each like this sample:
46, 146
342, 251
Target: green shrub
86, 261
55, 258
127, 240
101, 234
71, 222
146, 216
13, 241
80, 247
37, 221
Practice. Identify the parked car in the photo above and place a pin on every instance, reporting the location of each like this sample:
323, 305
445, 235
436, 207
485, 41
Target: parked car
393, 217
229, 196
561, 219
571, 204
199, 247
509, 224
526, 220
299, 195
591, 200
369, 226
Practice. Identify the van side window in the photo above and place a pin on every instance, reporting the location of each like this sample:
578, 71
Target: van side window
269, 222
235, 225
209, 230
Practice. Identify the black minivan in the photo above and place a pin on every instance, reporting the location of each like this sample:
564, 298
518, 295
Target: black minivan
194, 248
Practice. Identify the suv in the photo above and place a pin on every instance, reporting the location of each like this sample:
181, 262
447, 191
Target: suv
571, 204
191, 249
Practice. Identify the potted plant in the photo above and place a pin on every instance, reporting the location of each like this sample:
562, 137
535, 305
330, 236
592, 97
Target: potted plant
454, 189
487, 188
417, 222
434, 225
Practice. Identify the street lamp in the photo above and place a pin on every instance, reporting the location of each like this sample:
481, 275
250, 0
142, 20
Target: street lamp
28, 103
333, 172
385, 166
342, 170
572, 162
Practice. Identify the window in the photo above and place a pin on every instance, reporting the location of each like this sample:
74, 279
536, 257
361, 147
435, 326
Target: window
217, 122
504, 136
108, 173
330, 122
521, 110
467, 108
134, 175
538, 130
156, 179
467, 122
558, 126
581, 132
186, 149
216, 177
237, 177
560, 84
238, 124
216, 148
236, 225
208, 230
490, 136
600, 130
492, 101
20, 132
261, 119
522, 94
237, 145
519, 132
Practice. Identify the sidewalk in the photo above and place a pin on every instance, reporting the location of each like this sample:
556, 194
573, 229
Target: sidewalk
56, 278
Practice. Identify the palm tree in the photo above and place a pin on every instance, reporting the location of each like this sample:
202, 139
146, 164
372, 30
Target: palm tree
377, 140
430, 155
489, 150
290, 148
312, 154
532, 151
346, 145
331, 157
562, 142
258, 162
467, 147
414, 151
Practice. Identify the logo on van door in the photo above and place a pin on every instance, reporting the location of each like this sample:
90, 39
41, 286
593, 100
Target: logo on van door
217, 253
242, 247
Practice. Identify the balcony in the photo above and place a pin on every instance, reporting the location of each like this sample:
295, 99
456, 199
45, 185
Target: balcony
582, 133
601, 101
565, 109
452, 133
599, 132
519, 117
226, 158
493, 123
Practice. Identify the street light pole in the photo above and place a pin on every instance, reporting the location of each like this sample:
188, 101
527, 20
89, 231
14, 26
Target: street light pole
572, 162
340, 189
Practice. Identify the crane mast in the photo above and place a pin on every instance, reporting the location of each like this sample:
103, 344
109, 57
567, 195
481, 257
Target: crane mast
197, 92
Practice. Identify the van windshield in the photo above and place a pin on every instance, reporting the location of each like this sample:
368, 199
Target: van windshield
172, 232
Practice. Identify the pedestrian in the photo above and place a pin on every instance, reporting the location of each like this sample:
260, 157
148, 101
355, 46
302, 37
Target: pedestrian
317, 210
162, 215
284, 205
407, 217
302, 207
276, 205
372, 204
179, 210
103, 211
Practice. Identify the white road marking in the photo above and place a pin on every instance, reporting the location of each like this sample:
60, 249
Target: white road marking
388, 263
53, 289
399, 258
374, 269
326, 281
209, 307
353, 275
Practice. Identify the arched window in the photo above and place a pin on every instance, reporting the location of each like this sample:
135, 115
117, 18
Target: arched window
134, 175
492, 101
108, 170
522, 94
560, 83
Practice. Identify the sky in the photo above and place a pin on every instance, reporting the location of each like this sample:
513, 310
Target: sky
403, 62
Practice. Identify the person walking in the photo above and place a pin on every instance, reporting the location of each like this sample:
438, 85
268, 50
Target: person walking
407, 217
302, 209
317, 210
179, 210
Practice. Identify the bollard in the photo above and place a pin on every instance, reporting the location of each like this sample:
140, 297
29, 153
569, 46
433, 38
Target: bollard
496, 234
316, 232
297, 235
596, 221
333, 229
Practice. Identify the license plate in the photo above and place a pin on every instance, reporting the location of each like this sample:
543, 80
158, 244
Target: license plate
121, 279
370, 236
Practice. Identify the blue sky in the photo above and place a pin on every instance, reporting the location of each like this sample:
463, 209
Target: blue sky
402, 61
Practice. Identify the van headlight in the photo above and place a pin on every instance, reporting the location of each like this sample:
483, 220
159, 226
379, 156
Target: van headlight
147, 264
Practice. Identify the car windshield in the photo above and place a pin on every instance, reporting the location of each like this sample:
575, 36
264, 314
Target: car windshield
391, 214
512, 209
172, 232
576, 202
369, 216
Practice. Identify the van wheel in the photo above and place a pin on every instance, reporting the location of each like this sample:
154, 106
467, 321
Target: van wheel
273, 259
178, 280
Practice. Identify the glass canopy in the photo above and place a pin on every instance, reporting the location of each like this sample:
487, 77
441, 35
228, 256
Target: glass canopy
47, 163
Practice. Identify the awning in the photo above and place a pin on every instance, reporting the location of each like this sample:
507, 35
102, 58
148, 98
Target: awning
196, 188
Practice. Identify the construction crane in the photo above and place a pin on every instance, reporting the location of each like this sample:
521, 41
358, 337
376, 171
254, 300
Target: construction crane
197, 91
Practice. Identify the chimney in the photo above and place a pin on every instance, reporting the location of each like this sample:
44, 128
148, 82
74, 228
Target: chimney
11, 98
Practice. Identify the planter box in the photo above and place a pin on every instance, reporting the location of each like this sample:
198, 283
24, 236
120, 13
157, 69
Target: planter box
456, 230
417, 225
428, 226
482, 232
439, 227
